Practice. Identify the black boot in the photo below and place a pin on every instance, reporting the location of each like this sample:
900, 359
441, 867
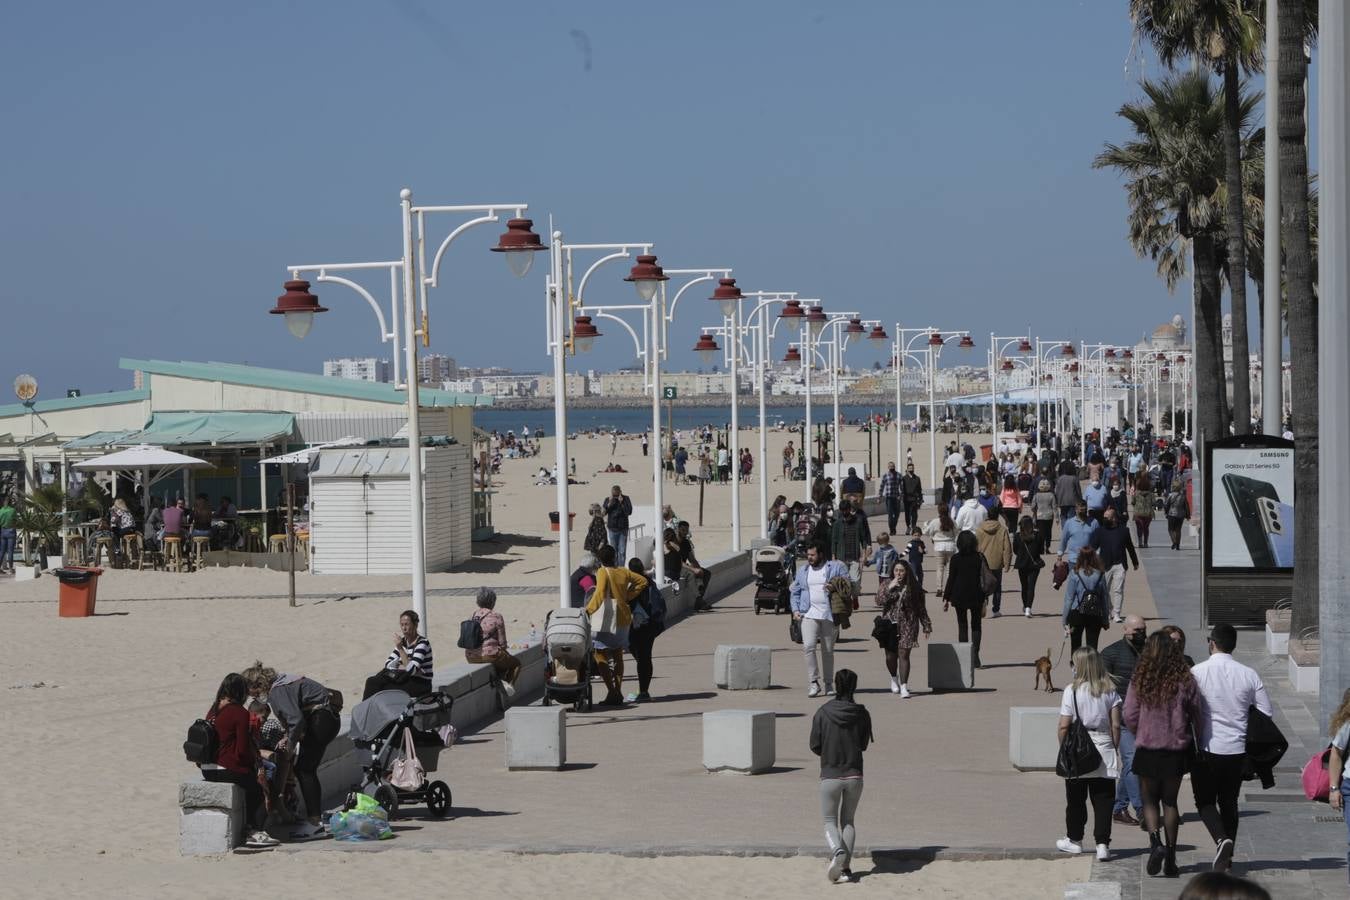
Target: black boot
1170, 862
1156, 852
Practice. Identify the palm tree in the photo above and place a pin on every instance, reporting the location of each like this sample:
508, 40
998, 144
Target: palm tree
1298, 23
1226, 36
1174, 167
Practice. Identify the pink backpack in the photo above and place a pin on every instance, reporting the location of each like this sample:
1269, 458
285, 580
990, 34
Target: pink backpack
1316, 778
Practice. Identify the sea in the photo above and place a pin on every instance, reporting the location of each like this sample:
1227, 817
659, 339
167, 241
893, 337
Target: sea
635, 420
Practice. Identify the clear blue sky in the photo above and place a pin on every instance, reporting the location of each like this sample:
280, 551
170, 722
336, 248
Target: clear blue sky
921, 162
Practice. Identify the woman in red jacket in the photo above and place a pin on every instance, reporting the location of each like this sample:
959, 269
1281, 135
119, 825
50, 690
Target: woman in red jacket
236, 755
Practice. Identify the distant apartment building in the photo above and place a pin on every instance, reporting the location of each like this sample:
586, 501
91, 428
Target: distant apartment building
686, 384
435, 368
366, 368
578, 385
498, 386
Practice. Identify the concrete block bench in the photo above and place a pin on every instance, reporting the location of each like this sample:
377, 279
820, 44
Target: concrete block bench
742, 667
1305, 661
210, 817
1033, 737
1277, 631
536, 737
739, 741
949, 667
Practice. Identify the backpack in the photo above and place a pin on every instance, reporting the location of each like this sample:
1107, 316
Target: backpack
1090, 603
202, 744
470, 634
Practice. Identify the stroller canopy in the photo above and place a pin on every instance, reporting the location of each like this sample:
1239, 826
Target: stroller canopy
370, 717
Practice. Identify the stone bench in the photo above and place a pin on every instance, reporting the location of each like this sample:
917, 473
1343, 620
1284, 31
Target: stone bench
1305, 661
742, 667
1033, 738
536, 737
1277, 631
739, 741
210, 817
949, 667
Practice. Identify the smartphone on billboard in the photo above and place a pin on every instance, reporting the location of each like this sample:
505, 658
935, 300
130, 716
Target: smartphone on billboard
1278, 521
1244, 495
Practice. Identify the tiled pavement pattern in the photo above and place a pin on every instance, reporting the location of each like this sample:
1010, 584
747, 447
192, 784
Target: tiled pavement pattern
1295, 848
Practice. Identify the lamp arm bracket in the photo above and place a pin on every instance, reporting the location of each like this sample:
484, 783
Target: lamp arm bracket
433, 279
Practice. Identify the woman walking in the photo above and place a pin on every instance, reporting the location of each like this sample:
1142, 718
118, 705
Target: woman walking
1092, 700
1027, 552
649, 620
1010, 503
1178, 510
840, 731
965, 590
905, 610
1043, 510
1141, 505
1086, 610
1162, 707
943, 532
1340, 751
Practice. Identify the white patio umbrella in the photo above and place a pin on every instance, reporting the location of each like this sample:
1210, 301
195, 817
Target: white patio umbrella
144, 458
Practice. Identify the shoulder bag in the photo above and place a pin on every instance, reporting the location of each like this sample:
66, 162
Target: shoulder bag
988, 580
407, 773
795, 630
1078, 755
604, 620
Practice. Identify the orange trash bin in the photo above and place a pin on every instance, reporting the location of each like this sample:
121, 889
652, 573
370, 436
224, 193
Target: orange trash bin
79, 590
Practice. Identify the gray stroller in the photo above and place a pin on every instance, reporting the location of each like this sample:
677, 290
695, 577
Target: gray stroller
383, 724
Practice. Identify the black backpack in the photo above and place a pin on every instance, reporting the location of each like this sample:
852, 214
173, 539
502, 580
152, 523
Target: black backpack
1090, 604
202, 744
470, 634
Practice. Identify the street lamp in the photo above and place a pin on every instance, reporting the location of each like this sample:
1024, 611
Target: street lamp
298, 307
904, 348
1094, 356
706, 348
999, 345
1043, 350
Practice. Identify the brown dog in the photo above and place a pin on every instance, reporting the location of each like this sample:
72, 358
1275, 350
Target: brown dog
1043, 667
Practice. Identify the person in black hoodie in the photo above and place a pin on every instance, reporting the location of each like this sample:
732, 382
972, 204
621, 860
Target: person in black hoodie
840, 732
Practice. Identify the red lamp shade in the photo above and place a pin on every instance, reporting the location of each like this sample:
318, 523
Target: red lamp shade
727, 295
583, 333
1110, 353
1067, 350
646, 275
1160, 357
519, 242
1128, 354
298, 305
965, 343
878, 334
1164, 374
1181, 360
855, 326
792, 356
706, 347
816, 320
935, 340
792, 315
1007, 365
1024, 346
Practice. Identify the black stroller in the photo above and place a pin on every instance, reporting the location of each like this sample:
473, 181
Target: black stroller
383, 724
773, 580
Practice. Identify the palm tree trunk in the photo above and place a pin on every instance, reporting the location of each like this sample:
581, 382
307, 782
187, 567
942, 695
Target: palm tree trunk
1237, 245
1302, 314
1211, 413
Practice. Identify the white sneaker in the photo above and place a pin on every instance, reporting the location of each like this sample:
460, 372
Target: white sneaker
1068, 846
261, 839
1027, 612
835, 871
1103, 852
895, 686
904, 692
814, 691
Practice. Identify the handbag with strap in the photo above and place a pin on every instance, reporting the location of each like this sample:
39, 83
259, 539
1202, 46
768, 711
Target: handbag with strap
795, 630
1078, 755
605, 618
407, 773
1316, 778
988, 580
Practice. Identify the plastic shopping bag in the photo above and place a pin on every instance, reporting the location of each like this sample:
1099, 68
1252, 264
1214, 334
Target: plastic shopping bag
348, 825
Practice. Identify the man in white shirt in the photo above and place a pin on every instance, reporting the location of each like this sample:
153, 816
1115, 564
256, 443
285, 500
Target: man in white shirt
811, 606
1228, 690
971, 515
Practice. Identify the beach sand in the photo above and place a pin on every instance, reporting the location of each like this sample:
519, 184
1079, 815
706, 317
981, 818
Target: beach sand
95, 711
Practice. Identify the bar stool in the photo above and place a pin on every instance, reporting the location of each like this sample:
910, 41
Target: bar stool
253, 543
303, 540
173, 554
200, 545
132, 543
103, 544
75, 549
276, 543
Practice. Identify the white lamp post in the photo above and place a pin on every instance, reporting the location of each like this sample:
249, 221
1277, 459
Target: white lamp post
998, 346
298, 306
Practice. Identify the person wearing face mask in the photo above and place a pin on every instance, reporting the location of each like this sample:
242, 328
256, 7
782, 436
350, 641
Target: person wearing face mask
1096, 495
1119, 659
1112, 542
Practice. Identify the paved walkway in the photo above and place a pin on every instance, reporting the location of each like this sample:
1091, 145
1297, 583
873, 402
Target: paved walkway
1293, 847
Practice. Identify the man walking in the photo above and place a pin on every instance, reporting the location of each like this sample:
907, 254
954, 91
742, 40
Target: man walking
1229, 690
971, 514
996, 545
890, 492
811, 606
1113, 543
1076, 534
911, 489
644, 443
851, 540
852, 487
1120, 659
617, 509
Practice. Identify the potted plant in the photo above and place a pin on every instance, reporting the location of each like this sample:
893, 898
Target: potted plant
38, 519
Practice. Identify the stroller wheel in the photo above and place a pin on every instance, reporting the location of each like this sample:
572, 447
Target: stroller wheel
386, 796
547, 701
438, 799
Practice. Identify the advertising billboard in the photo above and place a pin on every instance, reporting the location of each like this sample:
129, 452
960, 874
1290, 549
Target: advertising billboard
1251, 505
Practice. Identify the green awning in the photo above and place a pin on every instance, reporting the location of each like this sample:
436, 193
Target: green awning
213, 429
96, 441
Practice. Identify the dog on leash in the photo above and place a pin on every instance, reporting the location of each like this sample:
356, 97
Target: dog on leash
1043, 667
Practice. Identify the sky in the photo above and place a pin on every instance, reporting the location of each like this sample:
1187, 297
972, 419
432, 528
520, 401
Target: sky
926, 163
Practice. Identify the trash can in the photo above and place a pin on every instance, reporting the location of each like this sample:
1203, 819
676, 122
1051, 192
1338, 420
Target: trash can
553, 524
79, 589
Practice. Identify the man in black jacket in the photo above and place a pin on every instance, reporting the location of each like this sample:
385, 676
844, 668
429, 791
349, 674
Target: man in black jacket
617, 509
1112, 542
1120, 659
912, 490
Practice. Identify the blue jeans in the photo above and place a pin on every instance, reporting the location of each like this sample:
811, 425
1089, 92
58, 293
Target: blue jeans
7, 539
619, 541
1127, 785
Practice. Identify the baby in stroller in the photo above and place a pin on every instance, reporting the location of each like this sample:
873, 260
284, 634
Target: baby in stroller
404, 736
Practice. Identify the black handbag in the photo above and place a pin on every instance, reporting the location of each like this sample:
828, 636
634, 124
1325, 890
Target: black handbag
1078, 755
883, 630
795, 630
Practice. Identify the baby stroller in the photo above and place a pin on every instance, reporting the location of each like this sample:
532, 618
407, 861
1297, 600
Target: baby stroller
380, 724
567, 643
772, 579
